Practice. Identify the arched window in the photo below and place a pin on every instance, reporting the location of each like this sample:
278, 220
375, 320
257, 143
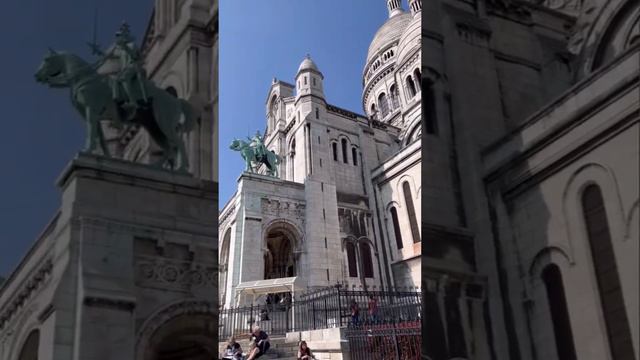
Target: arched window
292, 157
305, 80
344, 151
417, 76
411, 87
396, 228
367, 261
317, 113
374, 112
334, 146
414, 134
314, 80
411, 212
552, 279
382, 103
351, 260
393, 91
430, 117
354, 154
29, 350
606, 271
224, 263
272, 105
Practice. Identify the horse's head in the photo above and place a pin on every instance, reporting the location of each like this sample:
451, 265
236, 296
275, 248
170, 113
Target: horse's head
52, 69
236, 145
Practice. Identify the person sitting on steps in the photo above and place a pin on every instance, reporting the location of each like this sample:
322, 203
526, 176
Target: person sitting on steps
233, 350
304, 352
261, 340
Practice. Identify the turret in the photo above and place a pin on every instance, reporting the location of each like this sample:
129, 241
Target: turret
309, 79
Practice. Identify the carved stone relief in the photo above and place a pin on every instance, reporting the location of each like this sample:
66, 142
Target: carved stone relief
176, 275
173, 267
282, 209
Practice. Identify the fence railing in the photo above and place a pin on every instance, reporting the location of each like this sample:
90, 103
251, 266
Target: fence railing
385, 341
322, 309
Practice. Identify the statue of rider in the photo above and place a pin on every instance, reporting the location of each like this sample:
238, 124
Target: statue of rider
258, 146
131, 74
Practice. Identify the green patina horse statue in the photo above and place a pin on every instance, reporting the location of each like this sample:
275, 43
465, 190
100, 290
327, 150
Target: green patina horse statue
166, 118
249, 155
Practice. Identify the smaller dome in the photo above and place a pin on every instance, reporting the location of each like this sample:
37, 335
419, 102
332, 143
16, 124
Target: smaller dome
308, 64
410, 41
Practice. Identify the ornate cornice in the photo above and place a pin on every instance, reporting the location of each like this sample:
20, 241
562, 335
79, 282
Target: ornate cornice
289, 126
343, 112
25, 292
226, 215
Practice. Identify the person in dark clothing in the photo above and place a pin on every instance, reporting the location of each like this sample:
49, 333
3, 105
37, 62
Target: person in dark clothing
355, 313
233, 350
261, 341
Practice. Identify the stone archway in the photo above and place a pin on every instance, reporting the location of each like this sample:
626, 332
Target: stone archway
185, 337
182, 331
279, 259
281, 242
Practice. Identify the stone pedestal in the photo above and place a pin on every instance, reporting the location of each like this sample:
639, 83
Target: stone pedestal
133, 262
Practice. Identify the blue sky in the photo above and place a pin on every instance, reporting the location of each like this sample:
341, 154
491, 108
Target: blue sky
40, 131
260, 40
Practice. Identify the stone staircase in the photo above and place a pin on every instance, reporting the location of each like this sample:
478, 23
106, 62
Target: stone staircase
279, 350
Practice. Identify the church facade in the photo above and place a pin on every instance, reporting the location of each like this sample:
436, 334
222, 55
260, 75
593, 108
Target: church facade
345, 206
530, 169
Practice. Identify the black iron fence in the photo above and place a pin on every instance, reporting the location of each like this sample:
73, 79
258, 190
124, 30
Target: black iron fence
321, 309
385, 341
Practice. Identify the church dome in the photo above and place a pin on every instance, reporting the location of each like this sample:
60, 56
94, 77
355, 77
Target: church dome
308, 64
388, 33
410, 41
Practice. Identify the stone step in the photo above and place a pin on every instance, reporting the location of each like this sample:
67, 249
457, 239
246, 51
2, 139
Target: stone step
280, 349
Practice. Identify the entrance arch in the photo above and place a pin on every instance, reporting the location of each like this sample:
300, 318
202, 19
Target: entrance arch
182, 331
281, 242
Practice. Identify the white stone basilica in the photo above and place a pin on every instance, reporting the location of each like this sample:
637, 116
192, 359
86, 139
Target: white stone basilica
346, 206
